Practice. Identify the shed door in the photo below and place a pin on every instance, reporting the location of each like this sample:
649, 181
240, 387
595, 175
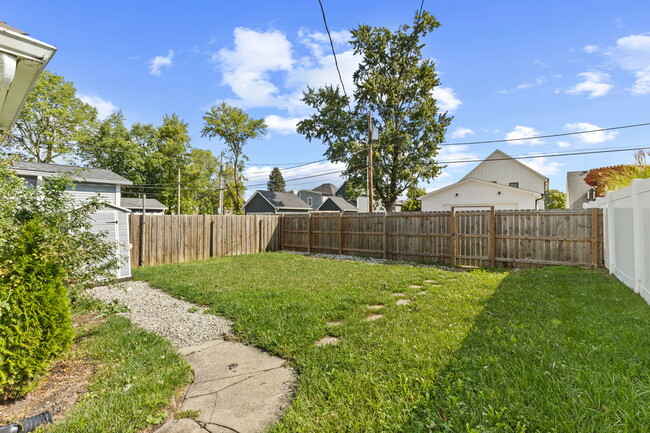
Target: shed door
107, 221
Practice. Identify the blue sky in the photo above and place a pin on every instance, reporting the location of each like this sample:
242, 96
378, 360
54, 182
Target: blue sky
508, 69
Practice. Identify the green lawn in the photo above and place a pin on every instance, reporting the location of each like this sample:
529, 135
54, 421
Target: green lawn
543, 350
139, 373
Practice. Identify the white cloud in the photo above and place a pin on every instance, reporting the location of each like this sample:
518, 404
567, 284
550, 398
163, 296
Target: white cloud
595, 83
538, 82
447, 100
543, 165
592, 137
282, 125
523, 132
590, 49
452, 155
462, 133
160, 61
563, 144
632, 53
104, 108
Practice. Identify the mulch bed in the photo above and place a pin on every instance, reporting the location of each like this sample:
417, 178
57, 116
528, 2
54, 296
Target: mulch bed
63, 385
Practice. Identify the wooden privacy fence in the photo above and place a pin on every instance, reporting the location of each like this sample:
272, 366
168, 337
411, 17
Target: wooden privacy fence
464, 238
160, 239
510, 238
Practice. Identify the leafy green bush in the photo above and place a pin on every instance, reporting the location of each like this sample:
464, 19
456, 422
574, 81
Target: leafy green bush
35, 323
47, 257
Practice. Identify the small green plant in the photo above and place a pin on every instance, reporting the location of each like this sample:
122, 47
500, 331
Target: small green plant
193, 309
187, 414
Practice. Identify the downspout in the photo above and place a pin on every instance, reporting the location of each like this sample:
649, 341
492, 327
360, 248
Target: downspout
541, 197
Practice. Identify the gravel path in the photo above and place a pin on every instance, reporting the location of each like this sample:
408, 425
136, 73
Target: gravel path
181, 322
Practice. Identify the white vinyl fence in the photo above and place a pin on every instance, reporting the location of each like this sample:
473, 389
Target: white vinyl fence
627, 235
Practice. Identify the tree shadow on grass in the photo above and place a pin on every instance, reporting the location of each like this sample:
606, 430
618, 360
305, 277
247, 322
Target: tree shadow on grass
554, 350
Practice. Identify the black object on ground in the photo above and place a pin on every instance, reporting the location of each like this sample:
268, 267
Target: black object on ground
28, 424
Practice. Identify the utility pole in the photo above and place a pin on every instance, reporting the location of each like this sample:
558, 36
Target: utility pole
178, 208
221, 184
371, 204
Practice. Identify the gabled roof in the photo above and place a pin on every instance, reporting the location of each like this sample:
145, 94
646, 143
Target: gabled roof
498, 155
92, 175
136, 203
340, 203
484, 182
326, 189
281, 200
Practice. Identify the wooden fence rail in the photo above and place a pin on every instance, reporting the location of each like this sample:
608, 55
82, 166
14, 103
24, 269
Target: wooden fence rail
463, 238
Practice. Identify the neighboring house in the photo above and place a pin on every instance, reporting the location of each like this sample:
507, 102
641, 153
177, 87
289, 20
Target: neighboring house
91, 182
498, 181
152, 206
578, 192
313, 198
22, 59
337, 204
327, 189
270, 202
362, 202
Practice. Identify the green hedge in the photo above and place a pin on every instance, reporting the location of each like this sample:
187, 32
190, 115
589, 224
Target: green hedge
35, 319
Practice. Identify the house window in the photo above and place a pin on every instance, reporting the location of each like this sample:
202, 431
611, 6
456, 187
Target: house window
514, 184
310, 201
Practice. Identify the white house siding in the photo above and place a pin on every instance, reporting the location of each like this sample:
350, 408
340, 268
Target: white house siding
473, 193
86, 191
506, 171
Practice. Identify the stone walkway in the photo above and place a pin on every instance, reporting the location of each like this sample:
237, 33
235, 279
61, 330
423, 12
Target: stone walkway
236, 388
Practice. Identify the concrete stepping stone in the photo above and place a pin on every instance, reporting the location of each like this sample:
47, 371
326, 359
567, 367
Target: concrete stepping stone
397, 294
422, 293
373, 317
327, 340
236, 388
403, 301
375, 307
430, 281
415, 286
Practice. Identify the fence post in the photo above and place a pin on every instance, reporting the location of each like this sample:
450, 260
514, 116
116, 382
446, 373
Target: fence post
282, 232
611, 234
639, 236
340, 233
261, 234
141, 241
594, 237
211, 237
256, 234
385, 235
493, 227
309, 232
452, 237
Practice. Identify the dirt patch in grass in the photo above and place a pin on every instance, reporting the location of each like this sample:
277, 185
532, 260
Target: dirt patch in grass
328, 339
64, 384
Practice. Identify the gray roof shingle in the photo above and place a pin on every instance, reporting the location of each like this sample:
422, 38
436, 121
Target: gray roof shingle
136, 203
326, 189
96, 175
284, 200
341, 203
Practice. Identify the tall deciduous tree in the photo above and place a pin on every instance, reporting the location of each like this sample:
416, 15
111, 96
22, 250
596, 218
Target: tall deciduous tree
395, 84
276, 181
52, 121
412, 203
112, 147
554, 199
235, 127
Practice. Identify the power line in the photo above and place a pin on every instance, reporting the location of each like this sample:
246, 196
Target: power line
336, 62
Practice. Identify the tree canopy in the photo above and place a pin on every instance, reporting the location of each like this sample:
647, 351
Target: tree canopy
395, 84
52, 121
235, 127
276, 181
554, 199
412, 203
